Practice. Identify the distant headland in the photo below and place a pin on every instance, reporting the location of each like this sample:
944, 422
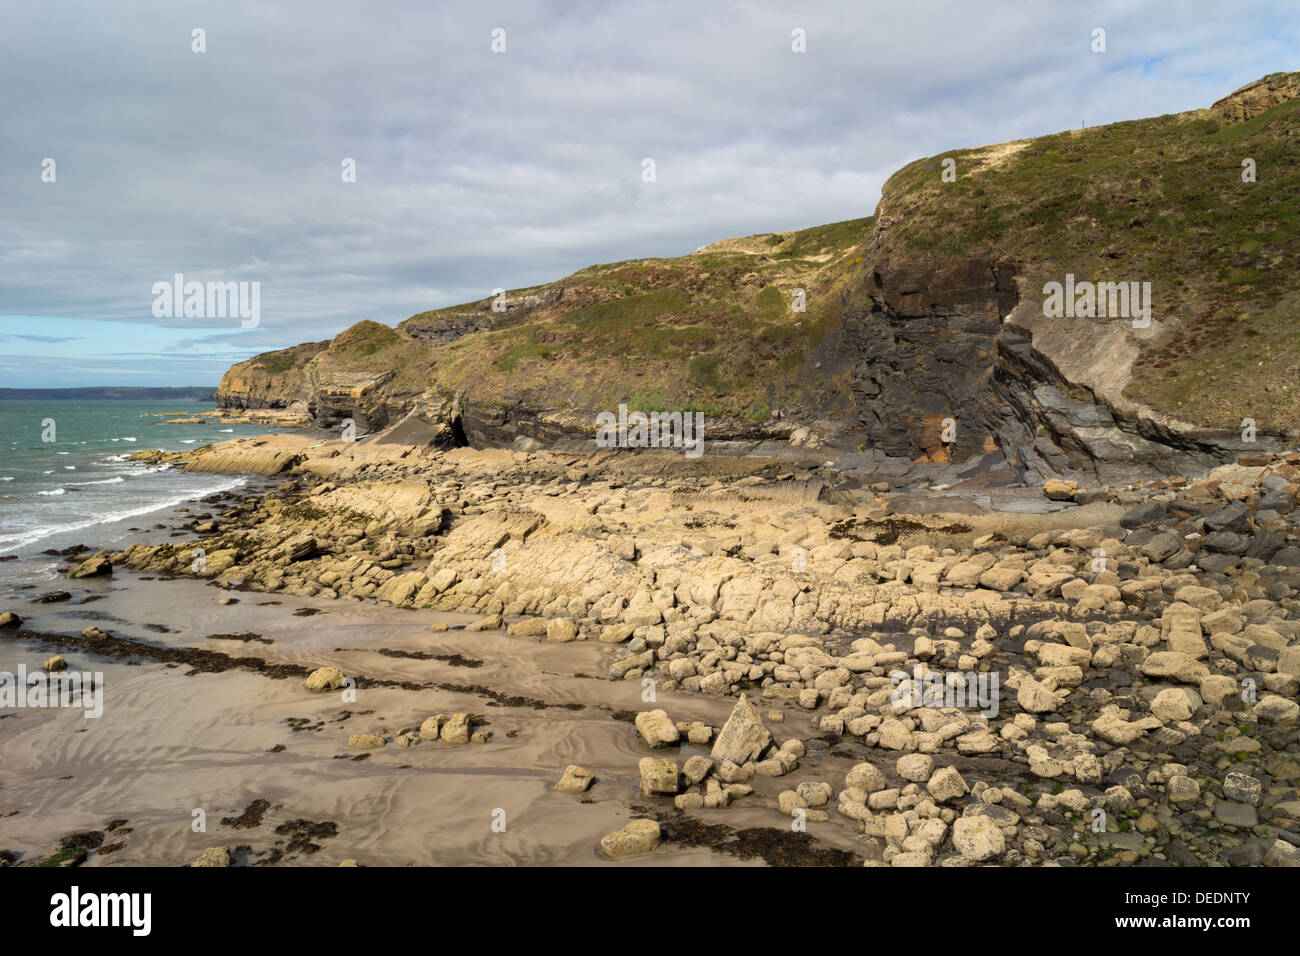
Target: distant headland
118, 393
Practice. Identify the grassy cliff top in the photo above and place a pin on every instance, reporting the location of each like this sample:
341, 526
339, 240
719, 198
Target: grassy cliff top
1159, 200
713, 331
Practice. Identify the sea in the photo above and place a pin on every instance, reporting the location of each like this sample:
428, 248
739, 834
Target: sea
65, 477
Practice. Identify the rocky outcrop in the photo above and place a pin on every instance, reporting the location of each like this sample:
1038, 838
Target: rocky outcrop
1140, 656
447, 325
1054, 424
271, 380
1254, 98
951, 362
924, 341
923, 350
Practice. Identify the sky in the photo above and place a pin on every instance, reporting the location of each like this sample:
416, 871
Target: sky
478, 169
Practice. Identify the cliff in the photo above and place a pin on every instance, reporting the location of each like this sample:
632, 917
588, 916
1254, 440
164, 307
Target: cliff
923, 335
271, 380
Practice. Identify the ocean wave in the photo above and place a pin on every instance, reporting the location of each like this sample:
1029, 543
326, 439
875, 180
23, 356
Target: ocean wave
105, 481
223, 430
56, 491
7, 478
24, 538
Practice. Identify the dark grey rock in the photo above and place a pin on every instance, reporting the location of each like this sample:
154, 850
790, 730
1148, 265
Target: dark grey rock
1226, 542
1235, 517
1149, 512
1161, 546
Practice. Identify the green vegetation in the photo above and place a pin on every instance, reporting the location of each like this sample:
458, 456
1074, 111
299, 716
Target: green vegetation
1159, 200
286, 360
276, 362
713, 331
364, 339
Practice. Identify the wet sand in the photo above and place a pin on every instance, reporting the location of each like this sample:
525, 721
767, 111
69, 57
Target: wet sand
170, 742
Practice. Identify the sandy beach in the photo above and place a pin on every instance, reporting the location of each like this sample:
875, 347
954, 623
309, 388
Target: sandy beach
643, 619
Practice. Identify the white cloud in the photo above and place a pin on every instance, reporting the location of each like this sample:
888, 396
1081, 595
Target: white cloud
478, 170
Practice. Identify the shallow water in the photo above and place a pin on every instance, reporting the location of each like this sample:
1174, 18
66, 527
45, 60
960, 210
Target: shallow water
63, 468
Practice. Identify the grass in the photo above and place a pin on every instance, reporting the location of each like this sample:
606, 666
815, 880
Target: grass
276, 362
713, 331
1159, 200
285, 360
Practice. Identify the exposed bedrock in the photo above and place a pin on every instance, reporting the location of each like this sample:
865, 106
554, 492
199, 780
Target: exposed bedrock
955, 344
923, 351
944, 361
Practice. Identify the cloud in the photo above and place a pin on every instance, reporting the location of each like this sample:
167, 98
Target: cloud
40, 338
477, 170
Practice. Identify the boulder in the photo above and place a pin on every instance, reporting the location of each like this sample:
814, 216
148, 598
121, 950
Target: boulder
743, 737
915, 767
325, 678
946, 784
638, 837
1277, 709
456, 729
1243, 788
575, 780
1175, 703
431, 728
213, 856
977, 838
656, 729
1148, 512
865, 777
1175, 666
529, 627
659, 777
401, 588
94, 567
561, 630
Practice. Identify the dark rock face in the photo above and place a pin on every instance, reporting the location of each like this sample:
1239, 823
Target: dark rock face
938, 365
450, 328
933, 350
525, 427
923, 352
444, 327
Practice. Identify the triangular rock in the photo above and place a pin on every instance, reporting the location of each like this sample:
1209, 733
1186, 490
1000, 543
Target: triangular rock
744, 737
